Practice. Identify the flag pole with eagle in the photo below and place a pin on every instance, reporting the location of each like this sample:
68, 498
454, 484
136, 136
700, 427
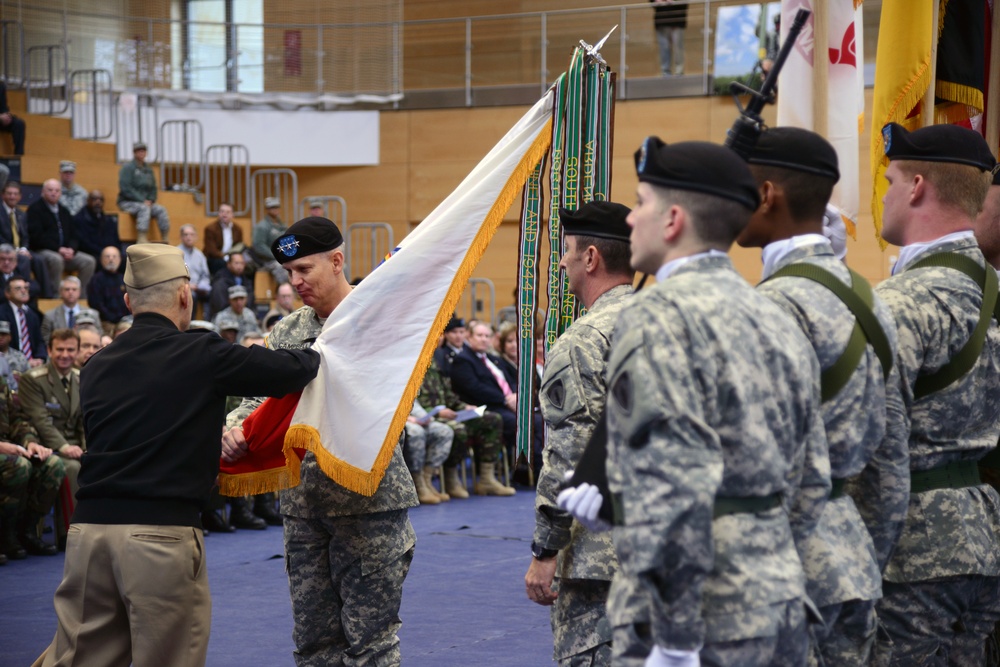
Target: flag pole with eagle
350, 417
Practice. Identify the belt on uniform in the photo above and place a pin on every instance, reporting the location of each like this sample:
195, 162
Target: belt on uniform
726, 505
955, 475
837, 488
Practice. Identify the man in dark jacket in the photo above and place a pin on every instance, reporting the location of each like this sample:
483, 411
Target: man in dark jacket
95, 230
153, 456
51, 235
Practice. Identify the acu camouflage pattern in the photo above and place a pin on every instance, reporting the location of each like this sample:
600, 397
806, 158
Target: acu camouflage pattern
353, 618
572, 396
580, 628
866, 433
948, 532
482, 435
24, 487
428, 446
713, 390
317, 495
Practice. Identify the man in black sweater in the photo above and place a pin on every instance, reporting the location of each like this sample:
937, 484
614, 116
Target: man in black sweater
153, 404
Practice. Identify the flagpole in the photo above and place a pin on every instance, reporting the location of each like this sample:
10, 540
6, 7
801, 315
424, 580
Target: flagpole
927, 104
821, 67
992, 119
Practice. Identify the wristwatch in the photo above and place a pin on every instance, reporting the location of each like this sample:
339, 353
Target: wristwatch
541, 553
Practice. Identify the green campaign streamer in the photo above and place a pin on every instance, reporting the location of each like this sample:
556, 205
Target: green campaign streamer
606, 142
572, 168
555, 199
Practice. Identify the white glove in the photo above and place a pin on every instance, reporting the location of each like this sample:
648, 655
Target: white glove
665, 657
835, 230
584, 503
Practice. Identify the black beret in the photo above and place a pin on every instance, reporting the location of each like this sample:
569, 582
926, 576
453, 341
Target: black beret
601, 219
454, 323
306, 237
796, 149
698, 166
938, 143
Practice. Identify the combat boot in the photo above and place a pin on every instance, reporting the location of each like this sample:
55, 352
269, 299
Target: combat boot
424, 495
9, 545
453, 485
488, 484
263, 506
28, 536
212, 521
429, 481
240, 515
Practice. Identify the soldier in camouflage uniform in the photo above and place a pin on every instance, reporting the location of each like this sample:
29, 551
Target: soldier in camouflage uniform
483, 435
717, 458
426, 445
866, 424
28, 486
346, 554
941, 595
572, 397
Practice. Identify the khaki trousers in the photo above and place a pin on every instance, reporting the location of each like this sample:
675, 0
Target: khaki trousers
132, 594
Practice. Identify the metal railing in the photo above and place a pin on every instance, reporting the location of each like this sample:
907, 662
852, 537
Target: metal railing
227, 178
180, 147
280, 183
489, 59
137, 120
12, 50
92, 115
367, 245
45, 79
475, 289
326, 202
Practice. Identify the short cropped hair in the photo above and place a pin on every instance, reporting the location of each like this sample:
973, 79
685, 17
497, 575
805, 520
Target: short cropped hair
716, 220
616, 254
958, 186
59, 335
806, 194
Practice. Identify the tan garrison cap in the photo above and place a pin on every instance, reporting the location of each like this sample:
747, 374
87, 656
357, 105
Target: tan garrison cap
67, 165
153, 263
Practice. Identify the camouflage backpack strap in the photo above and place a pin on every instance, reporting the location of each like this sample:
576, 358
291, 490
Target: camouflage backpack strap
966, 358
859, 300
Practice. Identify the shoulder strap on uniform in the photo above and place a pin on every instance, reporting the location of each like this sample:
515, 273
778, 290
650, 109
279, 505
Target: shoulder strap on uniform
966, 358
858, 299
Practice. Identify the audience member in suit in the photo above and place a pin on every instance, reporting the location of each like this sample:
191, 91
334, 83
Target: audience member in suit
51, 234
107, 290
220, 237
94, 229
23, 319
9, 268
14, 230
230, 274
477, 379
454, 341
201, 278
66, 314
50, 398
10, 123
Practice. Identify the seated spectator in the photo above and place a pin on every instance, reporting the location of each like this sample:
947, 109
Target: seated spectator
124, 324
65, 315
201, 279
454, 342
267, 230
14, 231
107, 290
11, 266
228, 328
50, 398
269, 321
507, 351
483, 435
16, 362
10, 123
508, 346
51, 235
74, 195
90, 342
25, 327
96, 230
426, 446
30, 480
316, 208
284, 303
137, 195
220, 237
230, 274
238, 312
